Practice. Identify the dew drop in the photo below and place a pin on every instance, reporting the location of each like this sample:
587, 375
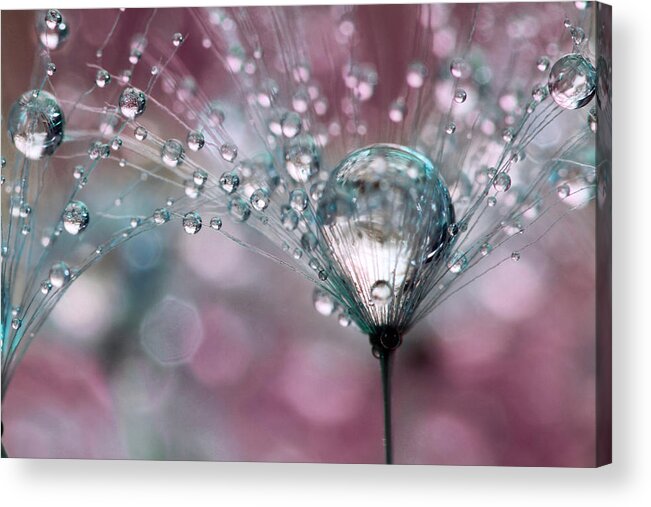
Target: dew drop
75, 217
458, 263
459, 68
216, 223
161, 216
416, 74
502, 182
16, 323
397, 111
592, 119
59, 274
323, 302
239, 209
36, 124
46, 287
97, 149
132, 102
450, 128
381, 292
199, 177
51, 69
563, 191
543, 63
229, 181
53, 18
572, 81
288, 218
195, 140
192, 222
515, 256
460, 96
540, 92
298, 199
102, 78
172, 153
260, 199
140, 133
485, 249
228, 152
177, 39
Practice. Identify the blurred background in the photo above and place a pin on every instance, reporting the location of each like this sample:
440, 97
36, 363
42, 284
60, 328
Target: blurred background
182, 347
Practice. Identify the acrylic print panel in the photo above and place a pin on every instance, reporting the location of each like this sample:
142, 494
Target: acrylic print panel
185, 190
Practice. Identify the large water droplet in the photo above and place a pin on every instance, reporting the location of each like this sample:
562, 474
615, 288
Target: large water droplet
229, 181
36, 124
572, 81
260, 199
75, 217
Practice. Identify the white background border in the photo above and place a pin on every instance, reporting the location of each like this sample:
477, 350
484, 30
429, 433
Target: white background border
626, 482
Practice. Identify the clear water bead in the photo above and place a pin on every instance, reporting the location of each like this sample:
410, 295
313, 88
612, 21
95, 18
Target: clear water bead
172, 153
53, 18
161, 216
75, 217
228, 152
298, 199
195, 140
460, 96
177, 39
323, 302
59, 274
502, 182
216, 223
50, 69
36, 124
132, 102
102, 78
229, 181
543, 63
239, 209
192, 222
140, 133
260, 199
572, 81
381, 292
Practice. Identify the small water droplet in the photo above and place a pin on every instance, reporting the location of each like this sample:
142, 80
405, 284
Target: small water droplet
260, 199
50, 69
59, 274
515, 256
132, 102
460, 96
288, 218
46, 287
450, 128
502, 182
416, 74
543, 63
75, 217
216, 223
140, 133
177, 39
459, 68
228, 152
323, 302
195, 140
161, 215
563, 191
239, 209
298, 199
381, 292
172, 153
192, 222
458, 263
229, 181
53, 18
102, 78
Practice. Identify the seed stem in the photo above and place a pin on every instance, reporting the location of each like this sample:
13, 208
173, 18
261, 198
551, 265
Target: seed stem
386, 357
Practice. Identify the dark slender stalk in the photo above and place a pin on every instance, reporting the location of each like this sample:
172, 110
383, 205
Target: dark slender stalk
386, 357
4, 453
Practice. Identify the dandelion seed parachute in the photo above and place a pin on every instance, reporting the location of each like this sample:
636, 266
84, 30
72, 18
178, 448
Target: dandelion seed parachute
388, 171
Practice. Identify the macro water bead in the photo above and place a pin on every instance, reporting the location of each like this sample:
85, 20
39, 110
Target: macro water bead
75, 217
36, 124
384, 215
572, 81
132, 102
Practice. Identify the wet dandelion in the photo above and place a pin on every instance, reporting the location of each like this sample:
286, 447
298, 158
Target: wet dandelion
391, 186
